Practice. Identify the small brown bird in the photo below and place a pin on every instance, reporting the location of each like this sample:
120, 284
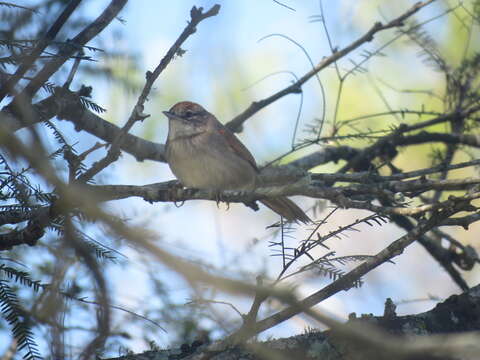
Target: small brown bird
204, 154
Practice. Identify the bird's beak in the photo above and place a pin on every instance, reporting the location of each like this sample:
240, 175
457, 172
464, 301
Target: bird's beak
172, 116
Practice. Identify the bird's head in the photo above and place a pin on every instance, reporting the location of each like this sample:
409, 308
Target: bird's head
187, 119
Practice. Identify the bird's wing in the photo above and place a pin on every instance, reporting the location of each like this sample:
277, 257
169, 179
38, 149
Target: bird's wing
237, 146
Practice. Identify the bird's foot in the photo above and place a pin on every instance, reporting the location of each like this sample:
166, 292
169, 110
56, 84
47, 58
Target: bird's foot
217, 195
177, 193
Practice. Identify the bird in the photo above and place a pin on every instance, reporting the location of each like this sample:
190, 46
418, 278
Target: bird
204, 154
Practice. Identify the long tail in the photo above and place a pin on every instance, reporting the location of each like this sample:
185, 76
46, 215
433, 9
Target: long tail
286, 208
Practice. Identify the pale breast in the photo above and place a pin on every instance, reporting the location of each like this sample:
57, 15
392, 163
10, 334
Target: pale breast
207, 167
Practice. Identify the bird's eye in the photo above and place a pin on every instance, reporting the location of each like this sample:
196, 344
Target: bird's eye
189, 113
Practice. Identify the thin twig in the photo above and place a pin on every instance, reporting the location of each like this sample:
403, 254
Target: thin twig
92, 30
28, 61
345, 282
197, 15
256, 106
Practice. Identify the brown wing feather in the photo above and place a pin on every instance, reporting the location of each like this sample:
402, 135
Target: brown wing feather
281, 205
237, 146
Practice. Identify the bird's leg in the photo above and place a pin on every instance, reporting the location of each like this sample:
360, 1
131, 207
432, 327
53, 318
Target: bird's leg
217, 195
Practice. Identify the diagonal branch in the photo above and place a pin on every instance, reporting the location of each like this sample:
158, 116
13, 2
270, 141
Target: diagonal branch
66, 52
237, 121
28, 61
345, 282
66, 105
197, 15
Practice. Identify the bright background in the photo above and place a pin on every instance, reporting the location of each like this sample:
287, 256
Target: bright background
223, 62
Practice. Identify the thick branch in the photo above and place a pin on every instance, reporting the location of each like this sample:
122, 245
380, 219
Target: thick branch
167, 192
472, 140
397, 137
67, 106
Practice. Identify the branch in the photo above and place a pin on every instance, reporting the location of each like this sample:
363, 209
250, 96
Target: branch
66, 52
388, 337
18, 216
323, 156
344, 283
28, 61
472, 140
28, 235
463, 221
236, 123
42, 110
369, 177
66, 105
396, 137
342, 196
137, 114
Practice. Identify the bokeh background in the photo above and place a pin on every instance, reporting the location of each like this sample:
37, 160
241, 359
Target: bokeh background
229, 63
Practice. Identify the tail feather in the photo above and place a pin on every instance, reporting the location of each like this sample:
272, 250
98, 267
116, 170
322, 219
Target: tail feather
286, 208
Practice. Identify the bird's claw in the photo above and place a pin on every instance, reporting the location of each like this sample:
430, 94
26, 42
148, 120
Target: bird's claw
177, 193
174, 192
219, 199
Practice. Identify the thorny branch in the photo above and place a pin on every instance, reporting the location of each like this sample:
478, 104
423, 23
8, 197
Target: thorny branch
362, 336
236, 123
394, 249
66, 52
197, 15
9, 85
363, 187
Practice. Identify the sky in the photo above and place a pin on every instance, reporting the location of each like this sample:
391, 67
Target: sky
223, 62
